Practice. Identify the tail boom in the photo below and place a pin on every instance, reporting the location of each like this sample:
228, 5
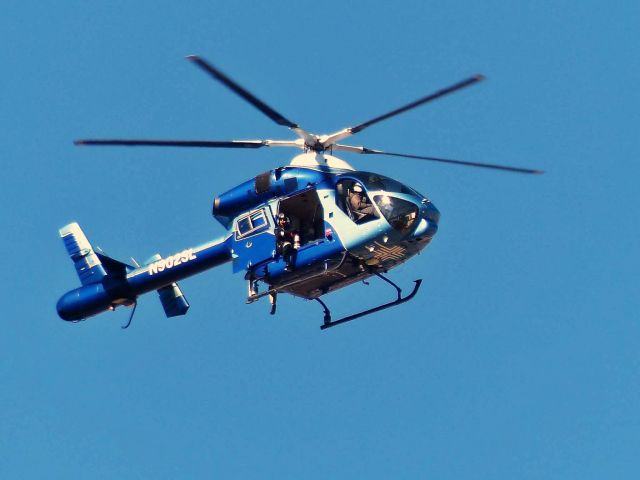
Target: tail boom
122, 287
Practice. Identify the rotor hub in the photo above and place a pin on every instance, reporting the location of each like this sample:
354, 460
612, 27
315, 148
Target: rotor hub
317, 159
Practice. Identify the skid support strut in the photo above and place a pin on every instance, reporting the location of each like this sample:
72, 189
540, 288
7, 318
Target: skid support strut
328, 323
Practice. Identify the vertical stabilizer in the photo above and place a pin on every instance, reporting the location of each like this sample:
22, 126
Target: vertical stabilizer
88, 265
173, 300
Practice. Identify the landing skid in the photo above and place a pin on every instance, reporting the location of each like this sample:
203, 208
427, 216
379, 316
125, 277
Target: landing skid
328, 323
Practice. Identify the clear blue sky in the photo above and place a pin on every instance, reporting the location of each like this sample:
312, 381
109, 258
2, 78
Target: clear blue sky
518, 359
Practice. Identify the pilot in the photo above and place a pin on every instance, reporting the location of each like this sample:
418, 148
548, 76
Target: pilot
287, 241
359, 203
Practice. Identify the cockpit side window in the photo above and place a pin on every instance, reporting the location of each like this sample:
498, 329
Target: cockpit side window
353, 200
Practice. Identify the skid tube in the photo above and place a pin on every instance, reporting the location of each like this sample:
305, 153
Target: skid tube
328, 323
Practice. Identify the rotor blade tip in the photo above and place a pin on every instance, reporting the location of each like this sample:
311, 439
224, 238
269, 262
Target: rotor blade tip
191, 57
78, 142
479, 77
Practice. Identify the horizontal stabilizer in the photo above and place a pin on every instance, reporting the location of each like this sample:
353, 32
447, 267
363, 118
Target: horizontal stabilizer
87, 263
114, 267
173, 300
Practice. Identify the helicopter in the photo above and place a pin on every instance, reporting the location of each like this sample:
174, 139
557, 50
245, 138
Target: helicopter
306, 229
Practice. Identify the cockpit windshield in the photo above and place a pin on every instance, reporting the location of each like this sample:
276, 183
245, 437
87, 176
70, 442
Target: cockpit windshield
400, 214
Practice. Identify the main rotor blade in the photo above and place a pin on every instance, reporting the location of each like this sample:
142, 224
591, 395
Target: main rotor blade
417, 103
370, 151
176, 143
242, 92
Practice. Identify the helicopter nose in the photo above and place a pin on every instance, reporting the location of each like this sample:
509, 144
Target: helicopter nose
428, 225
431, 213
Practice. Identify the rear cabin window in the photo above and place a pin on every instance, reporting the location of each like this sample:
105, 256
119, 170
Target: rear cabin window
250, 224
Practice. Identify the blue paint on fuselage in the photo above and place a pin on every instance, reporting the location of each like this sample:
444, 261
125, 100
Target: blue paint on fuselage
259, 190
363, 241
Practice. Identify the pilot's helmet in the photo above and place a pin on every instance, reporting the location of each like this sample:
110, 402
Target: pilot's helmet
357, 188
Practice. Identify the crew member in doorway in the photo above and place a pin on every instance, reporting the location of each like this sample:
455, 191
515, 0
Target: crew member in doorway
359, 203
287, 241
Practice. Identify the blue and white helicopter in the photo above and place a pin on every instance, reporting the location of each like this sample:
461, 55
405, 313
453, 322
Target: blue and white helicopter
307, 229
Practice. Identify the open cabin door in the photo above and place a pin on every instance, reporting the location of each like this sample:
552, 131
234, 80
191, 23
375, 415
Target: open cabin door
305, 214
253, 238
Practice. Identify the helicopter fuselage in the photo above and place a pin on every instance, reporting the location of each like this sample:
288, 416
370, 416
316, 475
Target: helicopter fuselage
338, 245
